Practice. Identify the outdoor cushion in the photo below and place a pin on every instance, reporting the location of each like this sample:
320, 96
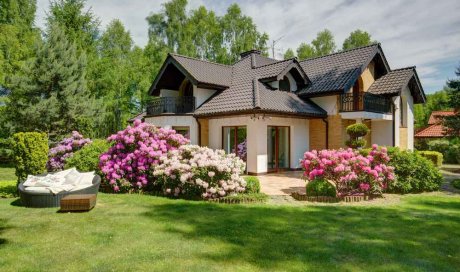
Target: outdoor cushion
37, 190
64, 172
86, 178
67, 180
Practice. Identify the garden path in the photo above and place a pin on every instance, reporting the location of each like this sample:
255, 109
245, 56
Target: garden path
282, 184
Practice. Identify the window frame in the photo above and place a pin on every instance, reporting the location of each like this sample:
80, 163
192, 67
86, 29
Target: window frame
182, 128
235, 138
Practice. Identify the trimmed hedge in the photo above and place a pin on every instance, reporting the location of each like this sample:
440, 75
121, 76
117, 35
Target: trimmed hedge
433, 156
8, 189
87, 158
356, 131
414, 173
320, 187
252, 184
30, 153
241, 198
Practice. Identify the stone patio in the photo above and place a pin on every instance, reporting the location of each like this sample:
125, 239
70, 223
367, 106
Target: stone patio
282, 184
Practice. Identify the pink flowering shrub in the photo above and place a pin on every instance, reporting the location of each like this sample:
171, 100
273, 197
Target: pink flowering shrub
193, 171
63, 150
135, 151
351, 172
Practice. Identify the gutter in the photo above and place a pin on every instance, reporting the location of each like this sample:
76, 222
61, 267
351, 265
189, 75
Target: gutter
327, 132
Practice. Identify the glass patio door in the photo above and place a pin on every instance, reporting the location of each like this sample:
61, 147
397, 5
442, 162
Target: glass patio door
277, 148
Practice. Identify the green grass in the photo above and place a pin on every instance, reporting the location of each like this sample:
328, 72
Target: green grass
147, 233
7, 173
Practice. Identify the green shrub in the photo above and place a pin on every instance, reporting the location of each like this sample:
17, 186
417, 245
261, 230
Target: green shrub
87, 158
30, 153
433, 156
452, 154
8, 189
438, 145
356, 131
252, 184
449, 149
414, 173
456, 183
6, 153
320, 187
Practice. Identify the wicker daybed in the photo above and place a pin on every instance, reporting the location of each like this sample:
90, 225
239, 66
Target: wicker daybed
43, 200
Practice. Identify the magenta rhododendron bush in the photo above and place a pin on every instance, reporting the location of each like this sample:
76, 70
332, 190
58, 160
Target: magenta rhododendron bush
195, 171
65, 149
136, 150
351, 172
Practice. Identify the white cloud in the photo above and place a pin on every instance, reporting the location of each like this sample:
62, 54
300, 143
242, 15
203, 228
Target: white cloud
422, 33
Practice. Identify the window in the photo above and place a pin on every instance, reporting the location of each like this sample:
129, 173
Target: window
184, 131
284, 84
234, 141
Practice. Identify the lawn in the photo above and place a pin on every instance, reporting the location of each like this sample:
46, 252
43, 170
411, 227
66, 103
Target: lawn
7, 173
139, 232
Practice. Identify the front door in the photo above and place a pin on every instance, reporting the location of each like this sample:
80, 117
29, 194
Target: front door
277, 148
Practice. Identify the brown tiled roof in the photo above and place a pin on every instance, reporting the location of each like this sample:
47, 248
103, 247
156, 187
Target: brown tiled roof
433, 131
396, 80
337, 72
205, 71
437, 117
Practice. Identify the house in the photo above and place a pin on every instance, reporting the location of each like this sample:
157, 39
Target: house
271, 111
435, 128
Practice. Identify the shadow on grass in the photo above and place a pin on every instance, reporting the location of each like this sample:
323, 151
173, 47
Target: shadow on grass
17, 203
3, 227
319, 237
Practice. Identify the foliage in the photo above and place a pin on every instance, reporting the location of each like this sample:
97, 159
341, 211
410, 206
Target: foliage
193, 171
51, 95
453, 92
135, 152
30, 153
456, 183
414, 173
289, 54
434, 156
356, 131
305, 51
87, 158
8, 189
320, 187
64, 150
357, 38
6, 153
449, 149
324, 43
434, 102
351, 172
202, 34
244, 198
252, 184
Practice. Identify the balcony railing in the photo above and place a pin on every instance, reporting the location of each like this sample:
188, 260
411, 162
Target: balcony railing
364, 102
160, 105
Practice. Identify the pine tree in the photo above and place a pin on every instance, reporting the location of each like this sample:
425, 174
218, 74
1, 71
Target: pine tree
51, 94
453, 92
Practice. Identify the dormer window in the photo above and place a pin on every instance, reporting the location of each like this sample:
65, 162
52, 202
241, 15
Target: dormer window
284, 84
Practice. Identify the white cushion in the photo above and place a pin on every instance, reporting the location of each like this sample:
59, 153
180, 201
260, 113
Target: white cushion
79, 187
72, 177
86, 178
65, 172
37, 190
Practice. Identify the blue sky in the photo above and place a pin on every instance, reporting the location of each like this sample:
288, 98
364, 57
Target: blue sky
421, 33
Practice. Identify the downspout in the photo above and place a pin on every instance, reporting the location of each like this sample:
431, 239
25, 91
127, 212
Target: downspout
199, 130
327, 132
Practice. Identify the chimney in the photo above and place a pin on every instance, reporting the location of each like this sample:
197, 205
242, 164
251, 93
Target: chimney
252, 51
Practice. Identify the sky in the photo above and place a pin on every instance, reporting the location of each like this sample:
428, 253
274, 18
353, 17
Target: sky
420, 33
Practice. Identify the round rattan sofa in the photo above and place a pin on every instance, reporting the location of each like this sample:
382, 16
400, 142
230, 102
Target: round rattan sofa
44, 200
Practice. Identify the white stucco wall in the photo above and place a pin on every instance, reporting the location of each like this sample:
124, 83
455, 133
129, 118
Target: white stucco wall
257, 138
328, 103
169, 121
382, 132
169, 93
397, 118
292, 83
201, 95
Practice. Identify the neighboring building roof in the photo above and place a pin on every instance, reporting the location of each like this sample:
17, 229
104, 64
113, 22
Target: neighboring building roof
140, 116
396, 80
336, 73
433, 131
437, 117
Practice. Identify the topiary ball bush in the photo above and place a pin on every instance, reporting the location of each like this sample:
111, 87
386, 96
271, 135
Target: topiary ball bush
87, 158
357, 130
252, 185
414, 173
320, 187
356, 143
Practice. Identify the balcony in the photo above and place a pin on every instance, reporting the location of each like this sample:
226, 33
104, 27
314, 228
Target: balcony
177, 105
367, 102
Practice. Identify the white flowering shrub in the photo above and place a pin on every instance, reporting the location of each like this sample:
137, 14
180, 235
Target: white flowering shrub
193, 171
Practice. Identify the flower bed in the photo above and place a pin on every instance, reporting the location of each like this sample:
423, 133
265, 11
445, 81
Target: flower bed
64, 150
134, 155
200, 172
350, 172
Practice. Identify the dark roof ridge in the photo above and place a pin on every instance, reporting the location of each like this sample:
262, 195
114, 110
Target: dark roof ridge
404, 68
277, 61
340, 52
202, 60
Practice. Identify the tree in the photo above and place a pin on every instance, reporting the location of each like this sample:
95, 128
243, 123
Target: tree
289, 54
453, 92
305, 51
324, 43
357, 38
434, 102
51, 95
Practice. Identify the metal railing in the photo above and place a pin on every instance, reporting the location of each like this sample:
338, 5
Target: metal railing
160, 105
364, 102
